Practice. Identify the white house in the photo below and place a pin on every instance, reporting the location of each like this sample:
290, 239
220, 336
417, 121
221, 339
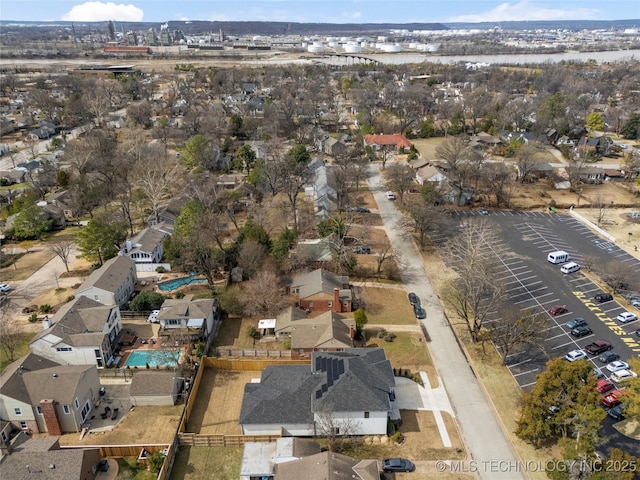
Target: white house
145, 247
194, 317
351, 390
82, 332
111, 284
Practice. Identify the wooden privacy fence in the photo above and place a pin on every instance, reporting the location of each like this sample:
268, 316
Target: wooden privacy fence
118, 451
204, 440
245, 364
251, 352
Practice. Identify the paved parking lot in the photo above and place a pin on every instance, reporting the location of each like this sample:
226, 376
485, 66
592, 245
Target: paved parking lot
519, 246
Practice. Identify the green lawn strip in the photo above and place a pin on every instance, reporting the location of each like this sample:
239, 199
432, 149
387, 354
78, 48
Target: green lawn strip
203, 463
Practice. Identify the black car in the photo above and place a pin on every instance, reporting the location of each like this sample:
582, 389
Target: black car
582, 331
419, 312
603, 297
397, 465
617, 412
608, 357
414, 300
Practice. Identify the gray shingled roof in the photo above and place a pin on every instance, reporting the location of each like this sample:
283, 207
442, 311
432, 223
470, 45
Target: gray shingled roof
146, 240
152, 383
288, 317
282, 396
327, 466
329, 330
186, 308
318, 280
11, 382
110, 276
59, 383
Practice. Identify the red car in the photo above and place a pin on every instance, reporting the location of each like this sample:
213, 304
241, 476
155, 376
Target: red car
604, 386
558, 310
613, 399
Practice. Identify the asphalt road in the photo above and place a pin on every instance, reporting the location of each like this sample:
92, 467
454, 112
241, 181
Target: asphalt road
480, 427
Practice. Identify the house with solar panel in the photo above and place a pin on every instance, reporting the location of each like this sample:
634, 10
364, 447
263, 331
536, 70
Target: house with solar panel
354, 389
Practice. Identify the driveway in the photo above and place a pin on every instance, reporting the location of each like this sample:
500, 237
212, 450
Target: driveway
476, 417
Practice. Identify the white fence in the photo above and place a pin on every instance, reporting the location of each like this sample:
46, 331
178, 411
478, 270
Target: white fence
151, 267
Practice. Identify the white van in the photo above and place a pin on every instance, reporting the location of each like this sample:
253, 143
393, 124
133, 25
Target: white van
570, 267
558, 257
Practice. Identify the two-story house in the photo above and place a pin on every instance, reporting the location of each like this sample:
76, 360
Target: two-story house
82, 332
321, 290
40, 395
145, 247
193, 318
111, 284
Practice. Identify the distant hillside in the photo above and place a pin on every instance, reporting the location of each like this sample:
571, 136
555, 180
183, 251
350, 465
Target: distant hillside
550, 25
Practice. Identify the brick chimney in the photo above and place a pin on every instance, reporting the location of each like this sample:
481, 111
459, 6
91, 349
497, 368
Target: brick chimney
337, 306
50, 417
352, 332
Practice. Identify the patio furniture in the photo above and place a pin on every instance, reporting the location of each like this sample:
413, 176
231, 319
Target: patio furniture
114, 415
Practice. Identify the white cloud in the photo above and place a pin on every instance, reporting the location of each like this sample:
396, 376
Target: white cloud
526, 10
98, 11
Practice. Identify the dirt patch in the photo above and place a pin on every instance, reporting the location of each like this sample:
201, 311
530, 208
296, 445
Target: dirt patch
217, 408
26, 265
616, 222
142, 425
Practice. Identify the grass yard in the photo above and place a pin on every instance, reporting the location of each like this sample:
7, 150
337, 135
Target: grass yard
200, 463
234, 334
407, 350
219, 402
26, 265
387, 306
22, 346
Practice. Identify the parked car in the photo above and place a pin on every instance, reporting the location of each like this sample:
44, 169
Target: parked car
558, 310
483, 211
597, 347
581, 331
603, 386
413, 299
617, 412
576, 322
4, 287
598, 373
391, 195
613, 398
574, 355
390, 465
419, 312
623, 375
603, 297
617, 366
635, 303
362, 250
153, 316
607, 357
627, 317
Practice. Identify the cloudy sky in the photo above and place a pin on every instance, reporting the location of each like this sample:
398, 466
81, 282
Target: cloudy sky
346, 11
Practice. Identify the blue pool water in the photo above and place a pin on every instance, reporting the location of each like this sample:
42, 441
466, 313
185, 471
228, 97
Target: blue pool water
155, 358
178, 282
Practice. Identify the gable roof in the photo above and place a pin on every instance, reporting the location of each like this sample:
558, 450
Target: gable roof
153, 383
11, 379
328, 466
329, 330
80, 321
146, 240
317, 281
314, 250
186, 308
289, 316
111, 275
399, 141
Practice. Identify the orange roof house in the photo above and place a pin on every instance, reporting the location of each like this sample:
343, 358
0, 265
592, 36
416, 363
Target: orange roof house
399, 142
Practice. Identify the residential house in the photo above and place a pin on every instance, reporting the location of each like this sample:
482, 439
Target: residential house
613, 174
40, 395
316, 252
145, 247
189, 317
12, 176
155, 388
6, 429
398, 143
330, 466
352, 392
168, 215
593, 175
111, 284
62, 200
82, 332
285, 319
483, 140
249, 88
259, 459
333, 146
535, 170
328, 332
31, 458
430, 175
321, 290
320, 191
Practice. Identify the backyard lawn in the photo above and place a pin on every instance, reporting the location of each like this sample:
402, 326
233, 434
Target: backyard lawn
200, 463
387, 306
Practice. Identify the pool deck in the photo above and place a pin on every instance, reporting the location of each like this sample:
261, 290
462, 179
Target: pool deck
125, 350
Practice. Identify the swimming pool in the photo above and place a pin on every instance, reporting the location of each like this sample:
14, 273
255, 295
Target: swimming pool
178, 282
154, 358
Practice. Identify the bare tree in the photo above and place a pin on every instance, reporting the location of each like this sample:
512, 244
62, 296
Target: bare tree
11, 337
63, 249
457, 154
251, 256
400, 179
263, 295
525, 160
154, 174
334, 430
384, 253
422, 218
601, 203
515, 328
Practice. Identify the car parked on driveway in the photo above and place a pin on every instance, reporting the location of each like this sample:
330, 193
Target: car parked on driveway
413, 299
582, 331
419, 312
575, 323
607, 357
390, 465
603, 297
627, 317
575, 355
391, 195
558, 310
597, 347
617, 366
